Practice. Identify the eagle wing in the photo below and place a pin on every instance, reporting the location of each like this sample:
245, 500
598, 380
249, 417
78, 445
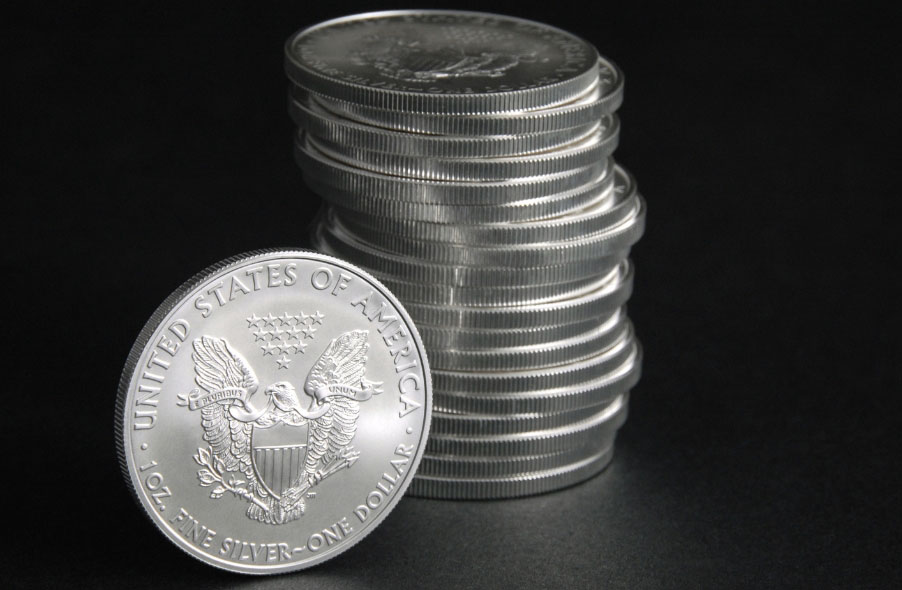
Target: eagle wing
342, 363
218, 367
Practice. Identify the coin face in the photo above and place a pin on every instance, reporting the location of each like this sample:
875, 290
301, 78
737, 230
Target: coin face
273, 411
370, 57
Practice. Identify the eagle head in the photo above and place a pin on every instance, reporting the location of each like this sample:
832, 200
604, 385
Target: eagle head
283, 396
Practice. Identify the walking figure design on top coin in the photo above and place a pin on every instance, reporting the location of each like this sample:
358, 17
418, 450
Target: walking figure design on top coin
277, 477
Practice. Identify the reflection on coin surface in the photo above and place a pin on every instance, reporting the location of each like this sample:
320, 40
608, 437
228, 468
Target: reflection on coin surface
465, 160
450, 61
273, 411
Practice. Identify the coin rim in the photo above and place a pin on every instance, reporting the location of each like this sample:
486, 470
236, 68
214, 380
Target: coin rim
557, 117
336, 128
603, 243
369, 184
532, 97
123, 435
578, 153
612, 209
540, 482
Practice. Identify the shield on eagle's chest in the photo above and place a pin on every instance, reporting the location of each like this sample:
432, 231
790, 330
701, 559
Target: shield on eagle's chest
278, 455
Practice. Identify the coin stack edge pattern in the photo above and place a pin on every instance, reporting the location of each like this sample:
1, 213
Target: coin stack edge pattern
465, 160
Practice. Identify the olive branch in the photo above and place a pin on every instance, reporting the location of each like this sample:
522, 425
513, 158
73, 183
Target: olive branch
214, 471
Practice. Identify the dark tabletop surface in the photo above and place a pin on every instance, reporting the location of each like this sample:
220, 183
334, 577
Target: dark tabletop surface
151, 140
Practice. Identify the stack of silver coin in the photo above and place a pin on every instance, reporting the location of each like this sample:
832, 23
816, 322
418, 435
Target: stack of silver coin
466, 162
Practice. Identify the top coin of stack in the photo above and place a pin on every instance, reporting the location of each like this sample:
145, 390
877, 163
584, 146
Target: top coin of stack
466, 162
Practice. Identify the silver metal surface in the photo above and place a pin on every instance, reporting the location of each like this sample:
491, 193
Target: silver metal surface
579, 153
608, 242
432, 61
533, 380
340, 133
600, 99
501, 424
525, 484
609, 210
364, 184
465, 162
407, 268
604, 422
458, 467
518, 358
528, 209
606, 295
475, 339
264, 422
613, 382
437, 294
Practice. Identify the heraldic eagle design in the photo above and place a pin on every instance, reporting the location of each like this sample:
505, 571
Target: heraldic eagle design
424, 60
276, 479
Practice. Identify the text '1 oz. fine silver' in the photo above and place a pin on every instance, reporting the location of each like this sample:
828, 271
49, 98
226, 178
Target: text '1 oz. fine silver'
273, 411
466, 160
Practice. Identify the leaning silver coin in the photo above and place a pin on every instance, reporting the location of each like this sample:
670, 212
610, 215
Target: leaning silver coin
273, 411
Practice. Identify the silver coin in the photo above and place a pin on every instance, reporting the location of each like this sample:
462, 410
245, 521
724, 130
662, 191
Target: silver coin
441, 61
486, 383
605, 243
608, 211
518, 358
405, 268
455, 488
603, 97
273, 411
352, 205
338, 133
372, 228
605, 421
591, 393
437, 337
576, 155
483, 297
457, 467
364, 184
606, 295
502, 424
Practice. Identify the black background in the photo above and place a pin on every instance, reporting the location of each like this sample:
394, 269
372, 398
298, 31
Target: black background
151, 140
